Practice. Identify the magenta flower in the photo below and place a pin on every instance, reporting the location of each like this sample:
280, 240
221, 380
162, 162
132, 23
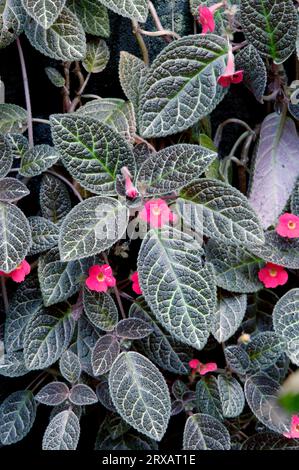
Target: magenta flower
157, 213
294, 432
131, 191
194, 363
100, 278
202, 369
135, 286
288, 226
206, 17
273, 275
230, 75
18, 274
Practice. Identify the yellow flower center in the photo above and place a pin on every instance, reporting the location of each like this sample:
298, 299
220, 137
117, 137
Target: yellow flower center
100, 277
156, 210
19, 267
273, 272
291, 225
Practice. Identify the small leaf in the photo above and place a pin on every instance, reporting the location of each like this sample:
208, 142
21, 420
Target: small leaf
208, 398
35, 161
63, 40
93, 16
13, 118
237, 359
279, 250
44, 233
133, 328
172, 168
70, 367
264, 349
44, 12
17, 143
227, 215
97, 56
134, 9
17, 415
12, 190
270, 27
63, 432
88, 335
231, 396
203, 432
54, 199
55, 77
91, 151
47, 336
286, 322
103, 221
130, 72
81, 394
101, 310
15, 236
140, 394
104, 354
255, 73
261, 395
269, 441
53, 394
229, 315
6, 158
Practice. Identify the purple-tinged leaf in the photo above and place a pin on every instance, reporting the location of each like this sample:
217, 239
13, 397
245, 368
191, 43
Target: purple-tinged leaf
133, 328
104, 354
53, 394
81, 394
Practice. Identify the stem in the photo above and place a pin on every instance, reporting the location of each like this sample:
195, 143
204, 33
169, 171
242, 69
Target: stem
165, 32
157, 21
4, 294
93, 97
77, 99
27, 92
140, 140
219, 131
141, 42
66, 88
66, 181
41, 121
116, 292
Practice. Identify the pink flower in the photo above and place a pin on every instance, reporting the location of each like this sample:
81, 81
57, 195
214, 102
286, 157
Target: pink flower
202, 369
273, 275
131, 191
135, 285
157, 213
230, 75
18, 274
206, 17
194, 363
100, 278
288, 226
294, 433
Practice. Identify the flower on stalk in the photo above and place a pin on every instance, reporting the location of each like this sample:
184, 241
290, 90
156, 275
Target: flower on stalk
206, 17
131, 191
273, 275
288, 226
230, 75
100, 278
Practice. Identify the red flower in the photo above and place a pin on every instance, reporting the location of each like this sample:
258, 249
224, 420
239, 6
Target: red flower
100, 278
194, 363
206, 17
288, 226
131, 191
202, 369
230, 75
135, 286
18, 274
273, 275
294, 432
157, 213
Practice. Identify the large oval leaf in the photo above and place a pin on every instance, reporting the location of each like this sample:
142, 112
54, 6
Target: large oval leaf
92, 15
104, 353
203, 432
6, 158
255, 73
264, 349
279, 250
135, 9
269, 441
180, 88
54, 199
275, 169
63, 432
231, 396
140, 394
178, 288
38, 159
229, 315
44, 12
12, 190
286, 322
91, 227
17, 415
208, 398
101, 310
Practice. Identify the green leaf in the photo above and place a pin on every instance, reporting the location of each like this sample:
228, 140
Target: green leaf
69, 366
6, 158
227, 215
101, 310
231, 396
255, 73
26, 302
264, 349
97, 56
180, 87
54, 199
140, 394
269, 441
235, 268
134, 9
261, 394
44, 234
130, 72
44, 12
92, 226
104, 353
156, 346
290, 402
92, 15
38, 159
12, 20
173, 167
15, 237
63, 432
13, 118
18, 144
47, 336
55, 77
91, 151
271, 27
118, 114
178, 288
279, 250
204, 432
229, 315
12, 190
17, 415
63, 40
208, 398
286, 322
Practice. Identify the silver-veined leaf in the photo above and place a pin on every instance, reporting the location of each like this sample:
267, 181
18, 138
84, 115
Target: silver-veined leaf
286, 322
101, 310
53, 394
237, 359
97, 56
38, 159
12, 190
229, 315
92, 15
105, 352
133, 328
130, 72
63, 432
54, 199
279, 250
69, 366
255, 73
134, 9
88, 335
231, 396
208, 398
264, 349
44, 234
204, 432
17, 415
44, 12
6, 158
13, 118
12, 20
81, 394
55, 77
269, 441
18, 144
13, 365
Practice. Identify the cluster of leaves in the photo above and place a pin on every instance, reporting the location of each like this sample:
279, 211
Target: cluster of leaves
199, 277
